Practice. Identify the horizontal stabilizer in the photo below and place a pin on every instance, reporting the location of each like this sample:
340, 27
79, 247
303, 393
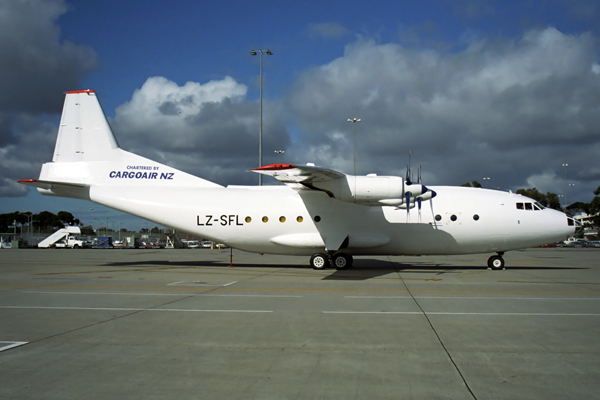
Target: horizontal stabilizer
49, 185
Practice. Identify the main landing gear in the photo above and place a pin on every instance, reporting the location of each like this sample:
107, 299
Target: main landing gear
338, 261
496, 262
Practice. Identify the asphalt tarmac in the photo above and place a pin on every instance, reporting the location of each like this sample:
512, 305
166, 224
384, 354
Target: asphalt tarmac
183, 324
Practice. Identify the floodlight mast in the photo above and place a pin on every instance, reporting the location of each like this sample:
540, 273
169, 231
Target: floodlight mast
354, 121
253, 53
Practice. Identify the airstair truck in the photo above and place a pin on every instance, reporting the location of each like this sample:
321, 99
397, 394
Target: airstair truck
63, 238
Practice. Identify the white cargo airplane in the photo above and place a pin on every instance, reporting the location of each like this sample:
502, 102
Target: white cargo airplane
319, 212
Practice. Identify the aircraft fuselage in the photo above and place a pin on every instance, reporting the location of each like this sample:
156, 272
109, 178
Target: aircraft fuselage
280, 220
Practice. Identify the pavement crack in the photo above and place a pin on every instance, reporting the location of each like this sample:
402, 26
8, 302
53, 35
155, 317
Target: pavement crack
434, 331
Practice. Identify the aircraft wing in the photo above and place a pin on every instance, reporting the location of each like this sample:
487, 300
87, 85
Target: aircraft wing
304, 174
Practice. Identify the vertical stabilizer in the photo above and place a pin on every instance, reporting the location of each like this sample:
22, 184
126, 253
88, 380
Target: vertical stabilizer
84, 133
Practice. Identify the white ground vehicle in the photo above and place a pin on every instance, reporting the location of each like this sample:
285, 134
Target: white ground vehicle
72, 242
63, 238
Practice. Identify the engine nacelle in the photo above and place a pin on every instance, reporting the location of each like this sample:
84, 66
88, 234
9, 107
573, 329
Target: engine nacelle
367, 190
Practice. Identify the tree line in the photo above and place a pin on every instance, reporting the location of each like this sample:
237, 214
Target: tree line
47, 222
44, 221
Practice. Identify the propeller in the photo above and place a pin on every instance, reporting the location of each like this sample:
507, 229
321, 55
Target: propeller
418, 192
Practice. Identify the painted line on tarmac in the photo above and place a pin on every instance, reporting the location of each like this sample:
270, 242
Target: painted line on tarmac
299, 296
134, 309
166, 294
461, 313
220, 288
554, 283
11, 345
473, 298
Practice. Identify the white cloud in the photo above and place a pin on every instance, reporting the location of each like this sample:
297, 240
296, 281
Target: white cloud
38, 67
41, 66
505, 109
208, 129
545, 182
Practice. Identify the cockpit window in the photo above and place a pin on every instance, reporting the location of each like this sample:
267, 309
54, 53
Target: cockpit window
528, 206
538, 206
520, 206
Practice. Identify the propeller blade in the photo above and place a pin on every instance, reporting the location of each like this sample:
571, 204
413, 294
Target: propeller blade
408, 205
433, 194
408, 180
419, 204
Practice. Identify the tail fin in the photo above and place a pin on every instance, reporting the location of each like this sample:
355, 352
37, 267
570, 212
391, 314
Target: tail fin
84, 133
87, 154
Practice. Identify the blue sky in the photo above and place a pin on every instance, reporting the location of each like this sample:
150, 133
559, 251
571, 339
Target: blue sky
501, 89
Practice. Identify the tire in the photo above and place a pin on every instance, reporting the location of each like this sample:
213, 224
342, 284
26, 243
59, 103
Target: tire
319, 261
496, 263
342, 261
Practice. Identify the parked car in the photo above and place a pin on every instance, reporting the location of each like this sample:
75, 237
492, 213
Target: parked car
193, 244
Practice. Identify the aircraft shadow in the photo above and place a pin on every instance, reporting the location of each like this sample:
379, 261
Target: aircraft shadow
363, 269
194, 264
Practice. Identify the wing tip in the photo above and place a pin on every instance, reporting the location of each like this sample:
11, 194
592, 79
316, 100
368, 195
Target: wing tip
274, 167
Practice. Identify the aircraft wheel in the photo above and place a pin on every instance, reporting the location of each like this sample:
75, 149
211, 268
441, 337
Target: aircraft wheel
496, 263
342, 261
319, 261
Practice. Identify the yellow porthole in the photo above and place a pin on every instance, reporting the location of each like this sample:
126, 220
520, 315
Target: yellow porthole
299, 219
282, 219
265, 219
248, 220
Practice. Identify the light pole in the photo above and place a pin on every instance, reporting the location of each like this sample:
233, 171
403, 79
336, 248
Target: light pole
254, 52
280, 152
565, 165
354, 121
570, 185
485, 181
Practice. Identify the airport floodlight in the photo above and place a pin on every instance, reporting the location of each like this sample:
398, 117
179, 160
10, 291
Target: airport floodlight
565, 165
253, 53
354, 120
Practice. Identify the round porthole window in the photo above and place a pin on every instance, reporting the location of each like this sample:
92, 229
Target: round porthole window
282, 219
453, 218
248, 220
265, 219
299, 219
438, 217
317, 218
476, 217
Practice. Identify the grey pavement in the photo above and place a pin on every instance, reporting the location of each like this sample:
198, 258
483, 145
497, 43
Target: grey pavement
183, 324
